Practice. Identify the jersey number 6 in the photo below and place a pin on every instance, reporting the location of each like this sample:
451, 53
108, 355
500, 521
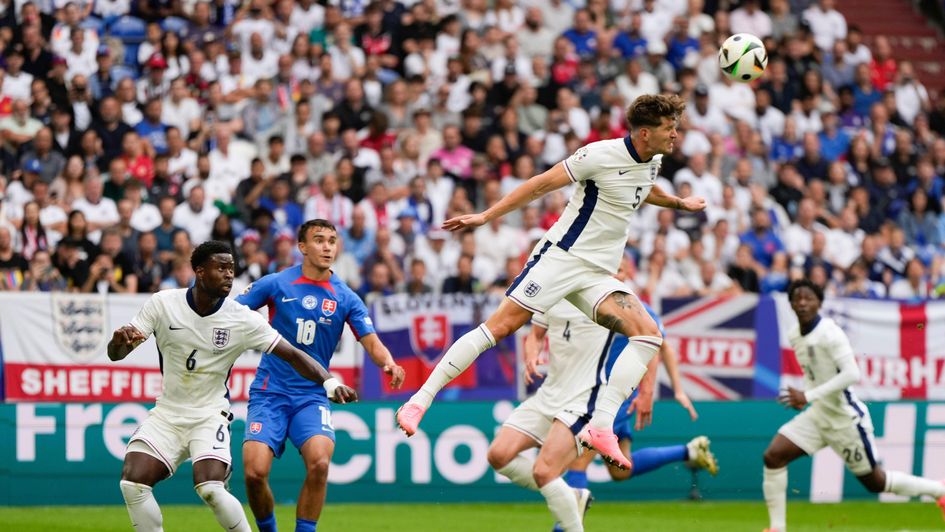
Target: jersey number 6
306, 331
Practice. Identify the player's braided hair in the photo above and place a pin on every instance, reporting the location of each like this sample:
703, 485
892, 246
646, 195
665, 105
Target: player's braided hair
805, 283
204, 251
650, 109
318, 222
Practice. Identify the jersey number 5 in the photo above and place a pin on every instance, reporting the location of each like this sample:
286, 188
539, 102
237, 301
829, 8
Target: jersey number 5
305, 334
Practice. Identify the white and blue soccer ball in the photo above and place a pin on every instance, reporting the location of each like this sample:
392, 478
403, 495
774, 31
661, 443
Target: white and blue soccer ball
743, 57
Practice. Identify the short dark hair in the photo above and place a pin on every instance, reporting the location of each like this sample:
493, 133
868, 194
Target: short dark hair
317, 222
650, 109
204, 251
805, 283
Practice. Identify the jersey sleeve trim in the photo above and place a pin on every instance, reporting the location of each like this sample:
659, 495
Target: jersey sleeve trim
567, 169
272, 345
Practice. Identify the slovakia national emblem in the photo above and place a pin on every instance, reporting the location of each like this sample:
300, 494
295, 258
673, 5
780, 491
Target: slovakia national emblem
255, 427
430, 336
221, 337
329, 306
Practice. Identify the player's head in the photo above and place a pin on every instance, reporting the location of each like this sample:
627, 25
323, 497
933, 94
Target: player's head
213, 267
318, 243
652, 119
806, 298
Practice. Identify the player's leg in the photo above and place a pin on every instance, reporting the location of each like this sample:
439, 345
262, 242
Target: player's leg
576, 475
544, 281
263, 439
209, 477
311, 432
209, 444
316, 454
796, 438
566, 503
139, 473
507, 319
524, 429
607, 301
152, 455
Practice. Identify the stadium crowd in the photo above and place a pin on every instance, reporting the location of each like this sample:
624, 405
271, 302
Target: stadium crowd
132, 131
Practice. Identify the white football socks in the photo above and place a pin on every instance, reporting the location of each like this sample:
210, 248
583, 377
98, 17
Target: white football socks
142, 507
460, 355
775, 490
519, 471
225, 506
563, 504
626, 374
912, 486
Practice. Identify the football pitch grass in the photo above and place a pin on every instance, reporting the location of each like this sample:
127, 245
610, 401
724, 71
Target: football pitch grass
604, 516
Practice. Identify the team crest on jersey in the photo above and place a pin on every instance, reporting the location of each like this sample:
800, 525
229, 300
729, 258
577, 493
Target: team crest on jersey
581, 154
255, 427
247, 289
532, 289
221, 337
329, 306
309, 302
430, 336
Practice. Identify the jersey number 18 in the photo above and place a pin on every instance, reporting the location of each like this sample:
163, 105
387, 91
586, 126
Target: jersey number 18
305, 334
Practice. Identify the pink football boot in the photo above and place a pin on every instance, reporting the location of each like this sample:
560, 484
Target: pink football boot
409, 416
604, 441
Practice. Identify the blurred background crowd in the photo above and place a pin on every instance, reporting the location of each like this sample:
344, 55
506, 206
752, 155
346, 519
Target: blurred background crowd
133, 130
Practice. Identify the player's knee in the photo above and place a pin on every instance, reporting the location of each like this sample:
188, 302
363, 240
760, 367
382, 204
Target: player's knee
773, 460
874, 483
211, 491
317, 469
619, 475
543, 473
255, 475
498, 457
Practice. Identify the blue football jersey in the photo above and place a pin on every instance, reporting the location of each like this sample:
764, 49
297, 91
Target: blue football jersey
309, 314
621, 341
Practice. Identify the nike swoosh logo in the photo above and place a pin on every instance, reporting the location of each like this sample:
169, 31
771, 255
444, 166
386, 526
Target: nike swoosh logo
622, 172
215, 448
454, 366
175, 328
287, 299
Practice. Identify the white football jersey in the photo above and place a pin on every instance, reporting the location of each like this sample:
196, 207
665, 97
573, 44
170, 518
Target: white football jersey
820, 354
196, 353
612, 185
578, 352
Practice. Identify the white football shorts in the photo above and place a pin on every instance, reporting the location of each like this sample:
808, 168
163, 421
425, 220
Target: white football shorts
172, 439
852, 438
533, 419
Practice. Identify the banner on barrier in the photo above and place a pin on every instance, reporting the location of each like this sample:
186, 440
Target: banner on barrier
54, 349
900, 347
418, 331
81, 446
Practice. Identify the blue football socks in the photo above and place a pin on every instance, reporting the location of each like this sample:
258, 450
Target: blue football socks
576, 479
646, 460
304, 525
267, 524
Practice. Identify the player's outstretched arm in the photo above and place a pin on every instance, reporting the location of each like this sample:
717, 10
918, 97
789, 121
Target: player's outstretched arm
671, 362
554, 178
661, 199
311, 370
124, 340
642, 404
382, 358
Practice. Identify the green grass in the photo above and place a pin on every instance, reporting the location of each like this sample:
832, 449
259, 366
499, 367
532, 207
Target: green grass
652, 517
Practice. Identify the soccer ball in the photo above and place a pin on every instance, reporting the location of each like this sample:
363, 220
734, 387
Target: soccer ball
743, 57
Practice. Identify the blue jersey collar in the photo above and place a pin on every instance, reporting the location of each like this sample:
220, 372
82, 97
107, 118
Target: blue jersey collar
193, 305
811, 326
633, 151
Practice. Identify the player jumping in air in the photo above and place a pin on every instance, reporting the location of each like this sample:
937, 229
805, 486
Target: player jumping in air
199, 334
576, 260
835, 417
309, 305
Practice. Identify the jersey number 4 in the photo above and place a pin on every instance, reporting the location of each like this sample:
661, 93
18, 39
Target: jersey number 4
305, 334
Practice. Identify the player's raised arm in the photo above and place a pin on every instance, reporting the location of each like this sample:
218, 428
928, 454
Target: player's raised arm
552, 179
382, 358
671, 362
660, 198
124, 340
311, 370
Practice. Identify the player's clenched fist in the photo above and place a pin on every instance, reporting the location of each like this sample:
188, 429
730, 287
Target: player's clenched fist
127, 335
343, 394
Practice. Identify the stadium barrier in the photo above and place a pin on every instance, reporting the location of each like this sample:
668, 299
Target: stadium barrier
53, 453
